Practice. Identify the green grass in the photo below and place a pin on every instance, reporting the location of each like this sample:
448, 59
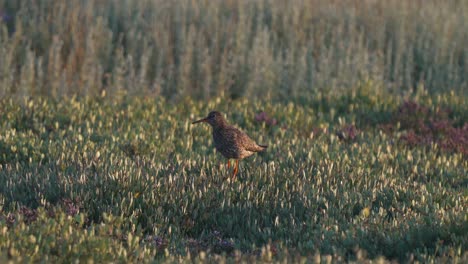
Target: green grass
363, 105
133, 180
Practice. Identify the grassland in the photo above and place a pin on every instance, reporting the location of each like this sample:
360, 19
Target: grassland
363, 105
132, 179
237, 48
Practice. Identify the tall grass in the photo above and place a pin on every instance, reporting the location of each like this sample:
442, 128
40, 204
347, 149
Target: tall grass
237, 48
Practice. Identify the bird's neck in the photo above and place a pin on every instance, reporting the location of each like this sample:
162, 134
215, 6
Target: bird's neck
220, 125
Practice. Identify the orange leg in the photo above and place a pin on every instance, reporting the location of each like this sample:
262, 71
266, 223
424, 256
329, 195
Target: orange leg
236, 169
229, 164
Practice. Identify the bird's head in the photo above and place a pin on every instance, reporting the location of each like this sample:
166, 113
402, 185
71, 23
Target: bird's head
214, 118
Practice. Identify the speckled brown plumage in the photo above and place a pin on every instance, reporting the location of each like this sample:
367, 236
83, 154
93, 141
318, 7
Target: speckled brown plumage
230, 141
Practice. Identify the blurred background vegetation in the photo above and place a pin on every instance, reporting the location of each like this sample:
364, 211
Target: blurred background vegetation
236, 48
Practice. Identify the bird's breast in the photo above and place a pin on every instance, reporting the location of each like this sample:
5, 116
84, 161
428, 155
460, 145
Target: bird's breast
226, 144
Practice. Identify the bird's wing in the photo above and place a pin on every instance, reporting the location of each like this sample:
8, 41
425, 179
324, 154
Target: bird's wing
247, 142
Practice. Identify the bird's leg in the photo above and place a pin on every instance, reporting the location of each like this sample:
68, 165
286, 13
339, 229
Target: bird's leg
229, 164
236, 169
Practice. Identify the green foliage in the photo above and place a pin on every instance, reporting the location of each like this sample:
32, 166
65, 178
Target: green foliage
58, 237
132, 180
204, 49
363, 105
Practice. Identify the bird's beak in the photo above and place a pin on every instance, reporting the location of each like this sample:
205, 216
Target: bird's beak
201, 120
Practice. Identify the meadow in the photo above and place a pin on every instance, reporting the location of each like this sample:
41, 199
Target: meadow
363, 105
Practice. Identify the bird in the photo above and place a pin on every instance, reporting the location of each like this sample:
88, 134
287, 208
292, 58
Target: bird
231, 142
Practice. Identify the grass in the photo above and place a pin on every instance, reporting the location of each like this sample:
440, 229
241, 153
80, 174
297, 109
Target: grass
363, 105
237, 48
132, 180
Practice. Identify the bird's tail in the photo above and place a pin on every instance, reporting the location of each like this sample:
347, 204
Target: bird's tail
263, 147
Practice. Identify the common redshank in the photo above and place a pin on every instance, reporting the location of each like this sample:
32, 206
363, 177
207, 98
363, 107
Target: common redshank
230, 141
